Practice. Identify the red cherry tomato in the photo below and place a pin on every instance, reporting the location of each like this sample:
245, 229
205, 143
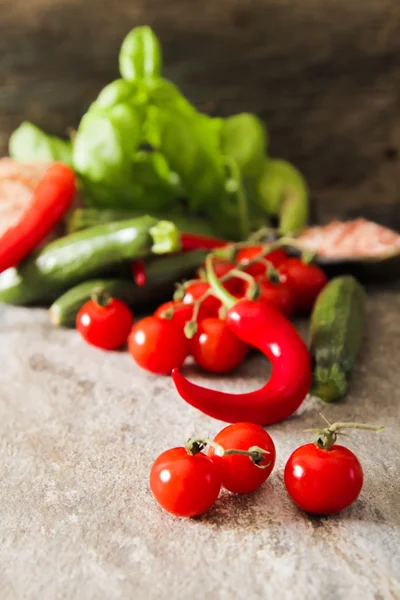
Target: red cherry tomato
107, 326
323, 482
245, 255
215, 347
158, 345
181, 313
195, 291
235, 285
305, 280
278, 294
239, 474
184, 485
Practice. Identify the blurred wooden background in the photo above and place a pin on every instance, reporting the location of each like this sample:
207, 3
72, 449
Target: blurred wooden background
323, 74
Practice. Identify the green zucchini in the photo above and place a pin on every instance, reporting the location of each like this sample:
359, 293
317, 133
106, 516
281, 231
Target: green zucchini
82, 218
336, 332
161, 275
86, 254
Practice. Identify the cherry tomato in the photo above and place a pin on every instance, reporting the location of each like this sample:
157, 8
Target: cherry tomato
234, 285
239, 474
245, 255
195, 291
323, 482
106, 326
305, 280
181, 313
158, 345
279, 294
215, 347
184, 485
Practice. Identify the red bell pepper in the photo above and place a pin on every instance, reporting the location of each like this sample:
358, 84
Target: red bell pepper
263, 326
51, 199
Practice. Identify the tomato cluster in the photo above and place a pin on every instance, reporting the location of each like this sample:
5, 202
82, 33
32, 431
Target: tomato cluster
162, 342
157, 343
186, 482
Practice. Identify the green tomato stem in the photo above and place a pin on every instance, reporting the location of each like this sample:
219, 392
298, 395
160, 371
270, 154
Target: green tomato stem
217, 288
255, 453
101, 297
326, 438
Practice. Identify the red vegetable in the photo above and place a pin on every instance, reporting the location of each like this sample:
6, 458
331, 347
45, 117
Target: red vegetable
104, 322
158, 345
263, 326
234, 285
323, 482
191, 241
249, 253
195, 291
139, 272
184, 485
278, 294
50, 201
215, 347
305, 280
239, 473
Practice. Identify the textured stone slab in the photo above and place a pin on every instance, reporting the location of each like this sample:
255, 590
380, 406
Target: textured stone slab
79, 429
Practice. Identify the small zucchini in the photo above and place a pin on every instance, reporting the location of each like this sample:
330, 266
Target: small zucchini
336, 331
85, 254
161, 276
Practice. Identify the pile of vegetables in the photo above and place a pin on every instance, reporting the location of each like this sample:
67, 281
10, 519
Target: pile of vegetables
163, 188
142, 147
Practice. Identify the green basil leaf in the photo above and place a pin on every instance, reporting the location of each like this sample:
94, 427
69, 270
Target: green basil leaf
105, 143
244, 139
282, 191
28, 142
118, 92
140, 55
191, 147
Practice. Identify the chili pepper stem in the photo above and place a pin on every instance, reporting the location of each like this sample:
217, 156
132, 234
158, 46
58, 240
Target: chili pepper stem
100, 297
326, 438
255, 453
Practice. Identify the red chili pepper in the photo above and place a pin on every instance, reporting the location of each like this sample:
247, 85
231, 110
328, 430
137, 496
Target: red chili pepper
264, 327
139, 272
191, 241
50, 200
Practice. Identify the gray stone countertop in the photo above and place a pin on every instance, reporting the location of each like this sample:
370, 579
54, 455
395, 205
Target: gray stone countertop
79, 429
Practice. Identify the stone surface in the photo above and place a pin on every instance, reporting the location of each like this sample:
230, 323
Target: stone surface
79, 430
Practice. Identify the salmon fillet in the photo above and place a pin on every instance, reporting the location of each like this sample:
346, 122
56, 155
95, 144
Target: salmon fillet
351, 239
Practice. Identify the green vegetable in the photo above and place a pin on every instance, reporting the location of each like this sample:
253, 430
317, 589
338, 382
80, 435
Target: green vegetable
119, 92
161, 276
336, 332
244, 139
140, 55
28, 142
191, 147
282, 192
82, 218
85, 254
142, 146
105, 143
64, 310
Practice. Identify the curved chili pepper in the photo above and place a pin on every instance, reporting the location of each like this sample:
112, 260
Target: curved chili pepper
262, 326
192, 241
50, 200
